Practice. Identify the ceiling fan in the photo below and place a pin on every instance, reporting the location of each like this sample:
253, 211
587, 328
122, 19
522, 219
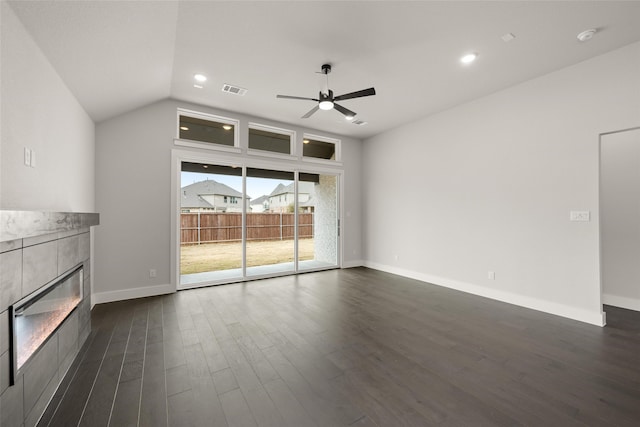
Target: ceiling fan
326, 100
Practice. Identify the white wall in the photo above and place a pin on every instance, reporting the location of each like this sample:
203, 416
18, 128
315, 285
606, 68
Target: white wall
39, 112
490, 185
133, 187
620, 211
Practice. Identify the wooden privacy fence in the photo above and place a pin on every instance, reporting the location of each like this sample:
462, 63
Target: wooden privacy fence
197, 228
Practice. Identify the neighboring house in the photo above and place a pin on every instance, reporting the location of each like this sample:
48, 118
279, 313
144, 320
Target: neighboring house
307, 206
210, 196
261, 204
282, 197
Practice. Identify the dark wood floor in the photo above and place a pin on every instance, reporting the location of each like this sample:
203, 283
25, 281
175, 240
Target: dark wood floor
350, 347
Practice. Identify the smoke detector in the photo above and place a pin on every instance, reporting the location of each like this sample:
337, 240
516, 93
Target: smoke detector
586, 35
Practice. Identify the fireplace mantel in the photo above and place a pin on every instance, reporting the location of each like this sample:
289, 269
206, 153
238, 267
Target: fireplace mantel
24, 224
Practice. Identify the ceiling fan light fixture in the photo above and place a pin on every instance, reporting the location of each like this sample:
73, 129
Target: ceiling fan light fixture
349, 117
325, 104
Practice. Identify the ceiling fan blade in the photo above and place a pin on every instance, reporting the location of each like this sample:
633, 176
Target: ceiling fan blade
343, 110
358, 94
296, 97
313, 110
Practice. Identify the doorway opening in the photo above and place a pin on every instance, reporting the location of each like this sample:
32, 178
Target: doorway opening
620, 218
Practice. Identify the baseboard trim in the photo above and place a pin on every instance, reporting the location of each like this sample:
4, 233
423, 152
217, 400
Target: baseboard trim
352, 264
593, 318
622, 302
125, 294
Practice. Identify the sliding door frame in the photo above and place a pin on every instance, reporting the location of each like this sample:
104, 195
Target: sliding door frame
178, 156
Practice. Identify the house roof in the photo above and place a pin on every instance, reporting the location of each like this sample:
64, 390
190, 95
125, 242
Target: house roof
260, 200
409, 51
192, 200
210, 186
303, 187
192, 194
282, 189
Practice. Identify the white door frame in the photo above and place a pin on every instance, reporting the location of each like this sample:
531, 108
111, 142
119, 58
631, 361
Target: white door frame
604, 298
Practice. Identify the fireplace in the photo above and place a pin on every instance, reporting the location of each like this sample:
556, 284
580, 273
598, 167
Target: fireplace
37, 316
37, 251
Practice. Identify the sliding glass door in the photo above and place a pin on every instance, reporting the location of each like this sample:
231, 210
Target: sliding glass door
239, 223
270, 224
211, 243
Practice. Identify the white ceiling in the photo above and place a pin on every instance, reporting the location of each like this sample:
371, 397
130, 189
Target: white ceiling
117, 56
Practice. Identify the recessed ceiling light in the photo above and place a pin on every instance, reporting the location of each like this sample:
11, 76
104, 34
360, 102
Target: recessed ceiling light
305, 141
200, 78
184, 128
586, 35
469, 58
507, 37
227, 127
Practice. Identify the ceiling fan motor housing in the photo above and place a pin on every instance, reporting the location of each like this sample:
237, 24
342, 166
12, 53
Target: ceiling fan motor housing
326, 96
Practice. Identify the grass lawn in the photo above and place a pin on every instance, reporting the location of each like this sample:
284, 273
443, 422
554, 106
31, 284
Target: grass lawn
227, 255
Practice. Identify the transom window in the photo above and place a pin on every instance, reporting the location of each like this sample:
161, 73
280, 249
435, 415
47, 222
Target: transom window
319, 147
206, 128
271, 139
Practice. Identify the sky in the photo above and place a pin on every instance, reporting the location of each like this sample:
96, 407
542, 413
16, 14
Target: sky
256, 187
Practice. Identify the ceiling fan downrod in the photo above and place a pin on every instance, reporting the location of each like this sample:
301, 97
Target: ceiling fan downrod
326, 69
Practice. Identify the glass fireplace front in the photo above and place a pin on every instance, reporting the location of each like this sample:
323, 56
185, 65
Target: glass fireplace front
37, 316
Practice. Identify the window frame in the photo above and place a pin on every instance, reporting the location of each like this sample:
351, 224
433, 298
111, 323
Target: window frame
335, 141
208, 145
272, 129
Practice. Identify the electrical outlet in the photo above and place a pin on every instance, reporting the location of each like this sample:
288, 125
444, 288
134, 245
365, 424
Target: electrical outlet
152, 272
396, 257
580, 216
27, 156
491, 275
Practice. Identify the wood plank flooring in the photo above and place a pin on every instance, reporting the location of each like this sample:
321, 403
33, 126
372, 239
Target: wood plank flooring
352, 347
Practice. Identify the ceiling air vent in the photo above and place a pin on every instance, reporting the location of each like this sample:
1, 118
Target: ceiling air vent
359, 122
236, 90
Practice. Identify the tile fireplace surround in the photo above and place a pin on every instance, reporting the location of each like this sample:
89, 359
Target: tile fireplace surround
35, 248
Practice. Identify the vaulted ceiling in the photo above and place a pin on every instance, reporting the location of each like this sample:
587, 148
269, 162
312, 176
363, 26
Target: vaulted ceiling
116, 56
